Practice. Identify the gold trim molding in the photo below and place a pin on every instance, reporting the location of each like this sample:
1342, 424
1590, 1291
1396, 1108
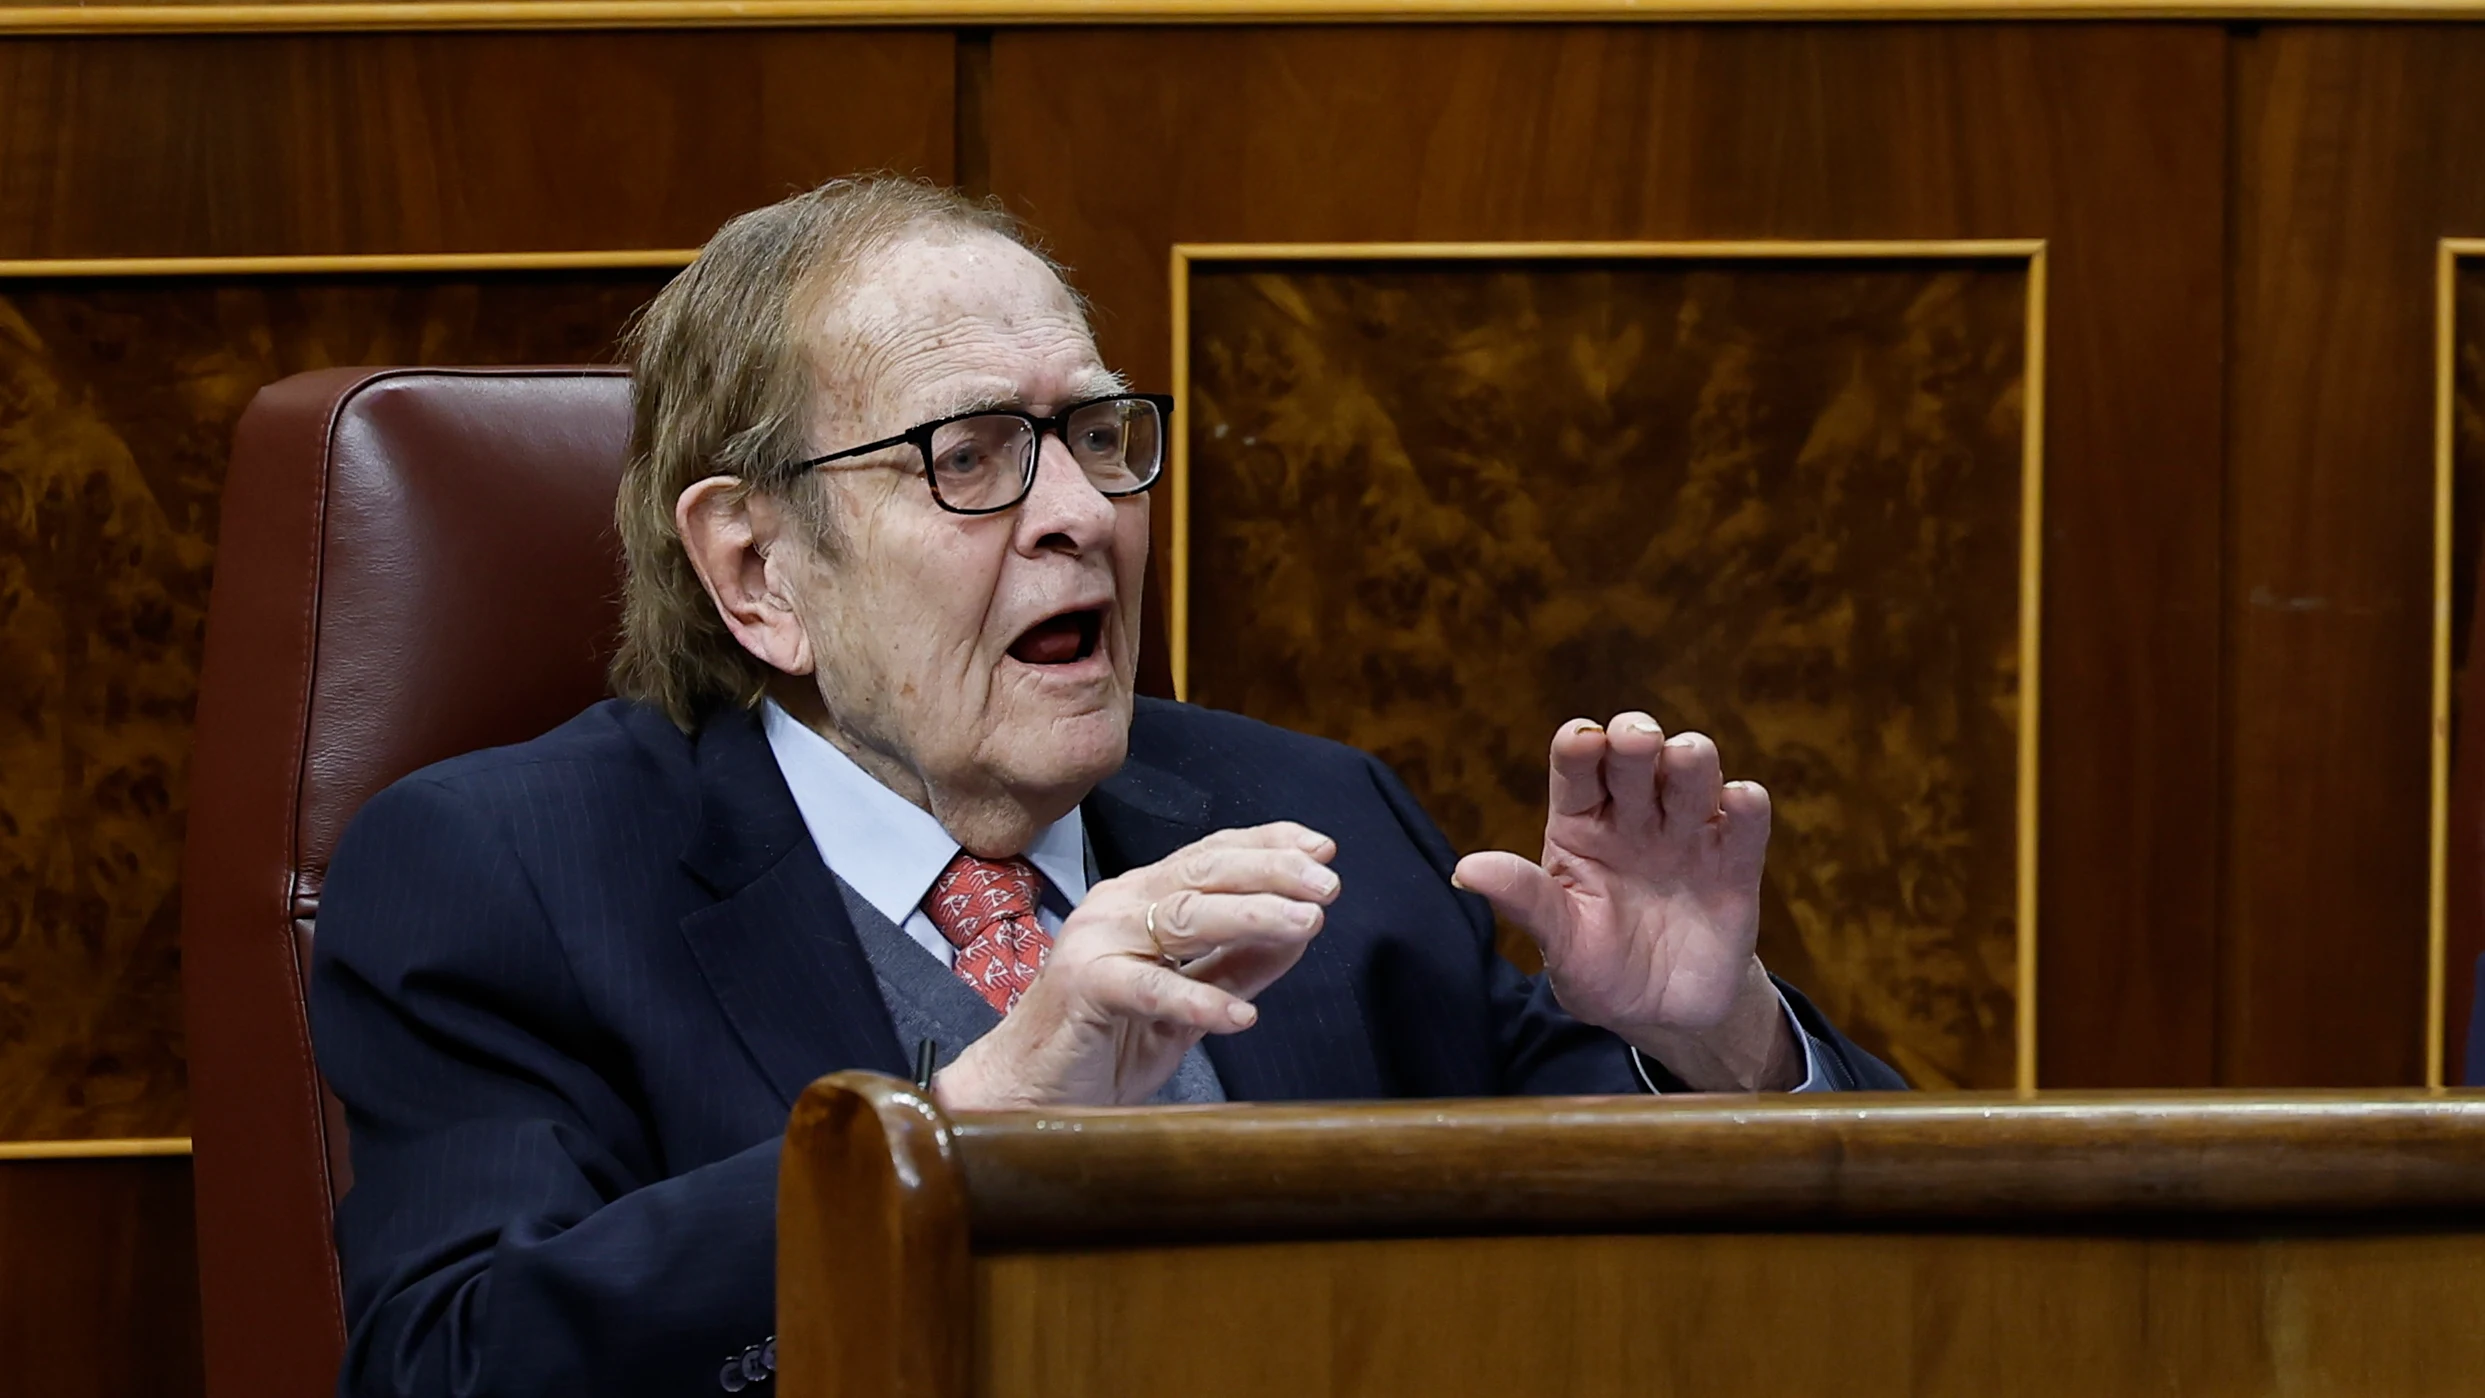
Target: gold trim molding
127, 1149
316, 16
2031, 251
360, 264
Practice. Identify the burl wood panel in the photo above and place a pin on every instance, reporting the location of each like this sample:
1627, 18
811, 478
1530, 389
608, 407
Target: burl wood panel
2357, 148
2307, 1315
98, 1279
1440, 508
2108, 141
117, 405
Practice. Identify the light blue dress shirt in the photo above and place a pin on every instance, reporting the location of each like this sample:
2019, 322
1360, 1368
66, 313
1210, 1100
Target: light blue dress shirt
890, 850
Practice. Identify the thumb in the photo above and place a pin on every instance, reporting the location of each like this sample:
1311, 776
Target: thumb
1521, 892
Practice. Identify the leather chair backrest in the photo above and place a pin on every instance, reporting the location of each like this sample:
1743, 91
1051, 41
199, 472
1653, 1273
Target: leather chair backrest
413, 563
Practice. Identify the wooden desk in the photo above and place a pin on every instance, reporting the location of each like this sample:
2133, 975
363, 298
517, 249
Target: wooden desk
2232, 1244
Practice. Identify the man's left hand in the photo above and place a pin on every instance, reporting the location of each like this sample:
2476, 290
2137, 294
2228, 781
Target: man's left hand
1647, 902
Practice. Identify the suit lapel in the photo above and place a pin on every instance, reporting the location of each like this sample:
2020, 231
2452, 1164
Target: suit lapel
1303, 1047
776, 948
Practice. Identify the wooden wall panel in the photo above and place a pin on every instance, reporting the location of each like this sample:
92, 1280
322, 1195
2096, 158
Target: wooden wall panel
2240, 223
445, 142
1964, 1314
2357, 148
2107, 141
98, 1279
1441, 506
117, 398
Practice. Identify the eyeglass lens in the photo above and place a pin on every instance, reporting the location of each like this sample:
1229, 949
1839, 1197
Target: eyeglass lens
988, 461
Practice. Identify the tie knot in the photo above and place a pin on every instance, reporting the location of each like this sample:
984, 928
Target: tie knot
973, 895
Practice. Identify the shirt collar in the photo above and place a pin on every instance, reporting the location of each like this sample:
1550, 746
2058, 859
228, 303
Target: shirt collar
887, 848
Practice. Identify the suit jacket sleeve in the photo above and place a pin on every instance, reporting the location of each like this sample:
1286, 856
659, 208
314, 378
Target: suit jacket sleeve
510, 1229
1543, 1049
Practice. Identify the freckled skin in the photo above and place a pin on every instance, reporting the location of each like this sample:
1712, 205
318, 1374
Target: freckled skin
911, 614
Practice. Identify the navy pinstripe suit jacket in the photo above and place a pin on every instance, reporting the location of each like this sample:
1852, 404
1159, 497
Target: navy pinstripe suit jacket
569, 990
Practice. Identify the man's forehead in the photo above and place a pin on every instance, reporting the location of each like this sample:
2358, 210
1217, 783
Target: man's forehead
954, 323
922, 283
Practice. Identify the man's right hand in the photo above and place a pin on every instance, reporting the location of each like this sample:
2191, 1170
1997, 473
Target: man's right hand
1114, 1009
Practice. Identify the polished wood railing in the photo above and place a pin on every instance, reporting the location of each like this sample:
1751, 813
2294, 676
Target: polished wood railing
2307, 1243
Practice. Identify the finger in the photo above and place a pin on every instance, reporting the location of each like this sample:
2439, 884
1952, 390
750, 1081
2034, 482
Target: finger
1521, 892
1632, 744
1136, 988
1578, 762
1280, 834
1246, 971
1747, 832
1190, 925
1691, 783
1207, 868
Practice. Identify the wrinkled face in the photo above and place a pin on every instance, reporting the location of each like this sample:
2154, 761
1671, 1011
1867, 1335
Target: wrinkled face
992, 656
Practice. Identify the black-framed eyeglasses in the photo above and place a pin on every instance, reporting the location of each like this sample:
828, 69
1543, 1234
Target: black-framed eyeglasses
982, 463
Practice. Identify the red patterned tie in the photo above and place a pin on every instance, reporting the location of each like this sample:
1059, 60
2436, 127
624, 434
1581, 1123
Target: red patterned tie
986, 909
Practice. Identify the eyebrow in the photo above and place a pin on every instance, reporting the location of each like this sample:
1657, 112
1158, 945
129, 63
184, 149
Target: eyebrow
1092, 383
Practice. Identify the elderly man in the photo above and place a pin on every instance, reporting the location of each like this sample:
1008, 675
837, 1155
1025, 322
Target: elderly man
877, 779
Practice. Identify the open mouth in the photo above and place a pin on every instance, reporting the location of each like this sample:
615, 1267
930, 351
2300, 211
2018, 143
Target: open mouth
1060, 640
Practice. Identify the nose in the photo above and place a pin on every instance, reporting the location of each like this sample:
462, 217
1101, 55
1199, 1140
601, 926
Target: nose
1063, 509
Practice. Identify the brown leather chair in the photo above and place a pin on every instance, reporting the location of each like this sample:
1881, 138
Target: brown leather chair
415, 563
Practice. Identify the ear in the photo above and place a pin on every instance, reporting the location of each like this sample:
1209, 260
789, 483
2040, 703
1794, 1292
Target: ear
746, 552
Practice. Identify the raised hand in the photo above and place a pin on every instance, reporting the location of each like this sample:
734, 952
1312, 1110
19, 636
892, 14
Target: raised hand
1647, 901
1150, 963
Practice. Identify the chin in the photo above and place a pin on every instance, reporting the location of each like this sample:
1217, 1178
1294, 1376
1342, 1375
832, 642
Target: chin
1067, 754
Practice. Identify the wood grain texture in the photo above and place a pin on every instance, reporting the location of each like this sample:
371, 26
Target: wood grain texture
2225, 1243
1441, 508
2300, 1315
117, 402
2356, 150
424, 143
872, 1280
249, 16
1084, 1177
98, 1279
2106, 141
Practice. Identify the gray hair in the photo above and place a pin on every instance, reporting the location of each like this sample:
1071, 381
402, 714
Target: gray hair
723, 377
